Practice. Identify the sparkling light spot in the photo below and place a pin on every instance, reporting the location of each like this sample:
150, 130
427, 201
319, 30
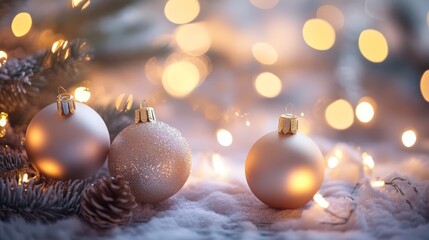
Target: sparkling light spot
181, 11
3, 119
368, 161
180, 78
339, 114
264, 4
332, 162
218, 164
331, 14
124, 102
300, 181
82, 94
264, 53
378, 183
75, 3
50, 167
409, 138
57, 45
318, 198
365, 112
268, 85
373, 45
424, 85
224, 137
193, 39
3, 57
21, 24
318, 34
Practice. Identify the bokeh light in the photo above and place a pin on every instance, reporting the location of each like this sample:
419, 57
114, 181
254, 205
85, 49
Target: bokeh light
409, 138
424, 85
224, 137
21, 24
75, 3
264, 4
378, 183
318, 34
181, 11
3, 56
82, 94
365, 111
373, 45
268, 85
368, 161
331, 14
180, 78
57, 45
339, 114
218, 164
3, 119
332, 162
318, 198
124, 102
193, 39
264, 53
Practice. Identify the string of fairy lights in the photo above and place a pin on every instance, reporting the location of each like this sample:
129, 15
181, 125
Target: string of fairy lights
188, 66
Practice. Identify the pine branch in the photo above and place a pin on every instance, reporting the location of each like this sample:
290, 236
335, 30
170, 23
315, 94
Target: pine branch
22, 80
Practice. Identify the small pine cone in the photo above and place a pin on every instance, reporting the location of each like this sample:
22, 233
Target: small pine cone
108, 203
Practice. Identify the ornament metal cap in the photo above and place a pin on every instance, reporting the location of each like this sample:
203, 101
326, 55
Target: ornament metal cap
144, 113
288, 124
65, 103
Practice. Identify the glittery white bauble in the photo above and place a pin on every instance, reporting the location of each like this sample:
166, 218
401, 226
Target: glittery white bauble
69, 147
153, 157
284, 171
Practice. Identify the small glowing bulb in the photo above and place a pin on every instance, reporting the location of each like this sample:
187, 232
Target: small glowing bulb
3, 119
368, 161
25, 178
181, 11
124, 102
3, 57
318, 198
364, 112
82, 94
76, 3
332, 162
409, 138
224, 137
57, 45
21, 24
378, 183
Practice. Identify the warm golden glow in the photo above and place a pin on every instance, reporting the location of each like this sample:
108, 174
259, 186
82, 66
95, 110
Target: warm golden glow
180, 78
264, 4
57, 45
300, 181
50, 167
193, 39
25, 178
339, 114
332, 162
409, 138
339, 154
181, 11
82, 94
268, 85
373, 45
424, 85
224, 137
368, 161
218, 164
124, 102
378, 183
3, 119
3, 57
36, 138
76, 3
318, 198
318, 34
365, 112
331, 14
264, 53
21, 24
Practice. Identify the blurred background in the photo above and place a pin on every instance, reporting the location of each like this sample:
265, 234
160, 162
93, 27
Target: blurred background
222, 72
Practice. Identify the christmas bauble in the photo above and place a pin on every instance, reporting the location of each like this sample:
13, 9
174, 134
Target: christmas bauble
67, 140
152, 156
284, 169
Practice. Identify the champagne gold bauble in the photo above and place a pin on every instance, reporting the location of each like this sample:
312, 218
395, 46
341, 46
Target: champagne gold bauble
67, 140
284, 169
152, 156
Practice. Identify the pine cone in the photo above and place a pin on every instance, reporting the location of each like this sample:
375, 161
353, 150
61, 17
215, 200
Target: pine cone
108, 203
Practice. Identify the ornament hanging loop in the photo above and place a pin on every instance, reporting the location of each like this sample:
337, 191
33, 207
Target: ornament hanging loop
65, 103
288, 123
144, 113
